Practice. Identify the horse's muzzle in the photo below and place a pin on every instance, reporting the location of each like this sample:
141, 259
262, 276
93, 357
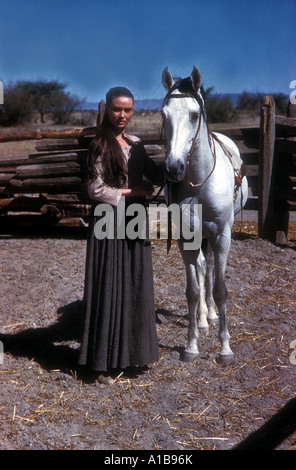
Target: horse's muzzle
175, 172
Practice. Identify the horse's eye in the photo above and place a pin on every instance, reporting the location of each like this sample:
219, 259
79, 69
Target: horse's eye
163, 115
194, 116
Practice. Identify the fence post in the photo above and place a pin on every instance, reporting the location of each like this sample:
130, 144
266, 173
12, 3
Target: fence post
266, 155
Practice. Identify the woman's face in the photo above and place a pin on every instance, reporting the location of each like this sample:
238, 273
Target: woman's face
120, 112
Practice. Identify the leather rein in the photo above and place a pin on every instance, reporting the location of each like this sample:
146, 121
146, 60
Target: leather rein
238, 178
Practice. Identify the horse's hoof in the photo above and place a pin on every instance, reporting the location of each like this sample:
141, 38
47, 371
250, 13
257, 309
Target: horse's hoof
213, 321
188, 357
204, 330
225, 358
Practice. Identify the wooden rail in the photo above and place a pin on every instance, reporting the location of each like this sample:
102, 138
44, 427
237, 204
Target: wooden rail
51, 183
49, 186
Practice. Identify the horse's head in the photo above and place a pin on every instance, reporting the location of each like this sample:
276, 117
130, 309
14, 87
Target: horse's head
181, 113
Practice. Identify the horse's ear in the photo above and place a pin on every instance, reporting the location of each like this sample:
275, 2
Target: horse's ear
167, 79
101, 112
196, 78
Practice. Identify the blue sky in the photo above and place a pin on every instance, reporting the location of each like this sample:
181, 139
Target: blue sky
94, 44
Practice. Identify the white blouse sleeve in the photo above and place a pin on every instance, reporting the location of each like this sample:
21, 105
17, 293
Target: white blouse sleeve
99, 191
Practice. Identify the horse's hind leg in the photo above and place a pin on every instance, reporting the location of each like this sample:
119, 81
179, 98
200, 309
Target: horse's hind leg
209, 283
221, 250
192, 295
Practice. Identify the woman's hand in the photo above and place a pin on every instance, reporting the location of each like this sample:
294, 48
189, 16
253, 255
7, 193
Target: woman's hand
139, 191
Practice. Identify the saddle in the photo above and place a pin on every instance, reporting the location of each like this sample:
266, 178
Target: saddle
238, 166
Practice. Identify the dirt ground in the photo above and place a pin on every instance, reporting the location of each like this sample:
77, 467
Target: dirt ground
47, 402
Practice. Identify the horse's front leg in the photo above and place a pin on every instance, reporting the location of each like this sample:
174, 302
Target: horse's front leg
192, 296
221, 250
203, 312
209, 278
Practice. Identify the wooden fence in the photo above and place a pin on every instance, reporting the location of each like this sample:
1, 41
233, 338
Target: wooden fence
48, 188
277, 173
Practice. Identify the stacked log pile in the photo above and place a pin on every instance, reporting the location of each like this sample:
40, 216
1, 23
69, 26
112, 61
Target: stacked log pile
49, 187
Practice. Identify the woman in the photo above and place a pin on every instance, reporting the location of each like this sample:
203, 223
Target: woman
119, 315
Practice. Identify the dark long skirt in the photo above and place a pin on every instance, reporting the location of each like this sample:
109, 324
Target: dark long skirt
119, 314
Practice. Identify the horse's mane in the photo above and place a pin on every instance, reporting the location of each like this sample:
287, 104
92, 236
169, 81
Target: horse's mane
184, 85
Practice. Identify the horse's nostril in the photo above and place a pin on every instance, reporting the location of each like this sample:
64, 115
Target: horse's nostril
175, 169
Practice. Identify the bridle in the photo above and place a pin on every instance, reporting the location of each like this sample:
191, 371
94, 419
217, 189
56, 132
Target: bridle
188, 95
213, 138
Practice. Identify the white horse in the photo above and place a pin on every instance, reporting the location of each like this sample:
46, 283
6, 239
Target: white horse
202, 168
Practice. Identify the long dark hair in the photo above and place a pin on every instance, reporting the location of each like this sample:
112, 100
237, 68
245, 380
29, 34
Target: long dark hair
106, 148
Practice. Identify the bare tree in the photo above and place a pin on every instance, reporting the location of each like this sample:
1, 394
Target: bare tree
63, 105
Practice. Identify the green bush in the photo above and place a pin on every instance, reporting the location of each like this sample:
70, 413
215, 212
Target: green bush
17, 108
24, 98
219, 108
